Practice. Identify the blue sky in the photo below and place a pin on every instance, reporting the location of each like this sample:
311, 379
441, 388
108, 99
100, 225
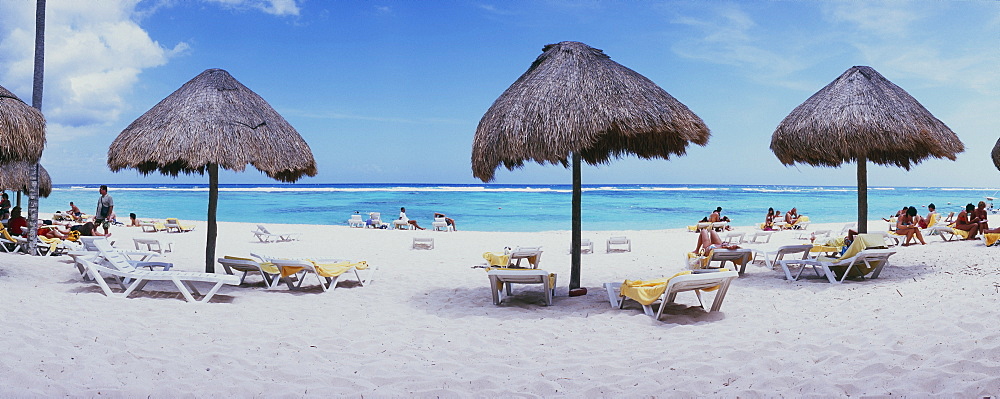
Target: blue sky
391, 92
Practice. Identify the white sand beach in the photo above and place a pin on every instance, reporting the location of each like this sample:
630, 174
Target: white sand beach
427, 327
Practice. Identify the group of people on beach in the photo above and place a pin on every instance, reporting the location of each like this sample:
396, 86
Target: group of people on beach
372, 222
973, 220
73, 225
789, 218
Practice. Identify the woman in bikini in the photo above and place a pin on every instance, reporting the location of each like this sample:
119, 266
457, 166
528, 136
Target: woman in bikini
907, 224
966, 221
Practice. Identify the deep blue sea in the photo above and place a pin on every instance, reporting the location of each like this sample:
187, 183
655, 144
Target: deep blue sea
490, 207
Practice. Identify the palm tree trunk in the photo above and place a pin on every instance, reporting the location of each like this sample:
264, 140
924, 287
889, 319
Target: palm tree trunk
36, 101
574, 274
862, 195
213, 205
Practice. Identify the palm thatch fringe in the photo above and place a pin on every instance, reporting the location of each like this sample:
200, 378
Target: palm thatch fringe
16, 176
995, 154
862, 115
212, 119
575, 99
22, 129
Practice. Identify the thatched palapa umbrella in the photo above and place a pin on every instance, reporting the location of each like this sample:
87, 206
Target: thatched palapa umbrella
575, 102
22, 129
211, 121
16, 176
859, 117
995, 154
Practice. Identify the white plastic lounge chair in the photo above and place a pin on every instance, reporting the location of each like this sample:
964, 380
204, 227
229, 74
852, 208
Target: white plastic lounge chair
773, 257
440, 224
10, 243
734, 237
54, 246
680, 283
719, 226
865, 256
848, 227
149, 226
423, 243
117, 259
264, 235
356, 221
619, 244
154, 245
267, 271
89, 244
501, 278
805, 235
132, 280
400, 224
759, 237
174, 224
327, 270
376, 218
741, 257
586, 246
531, 254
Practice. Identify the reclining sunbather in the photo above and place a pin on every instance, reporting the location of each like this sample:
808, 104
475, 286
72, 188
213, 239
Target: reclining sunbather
708, 240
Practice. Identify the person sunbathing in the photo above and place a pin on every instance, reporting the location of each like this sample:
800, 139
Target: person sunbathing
769, 220
907, 225
967, 222
708, 240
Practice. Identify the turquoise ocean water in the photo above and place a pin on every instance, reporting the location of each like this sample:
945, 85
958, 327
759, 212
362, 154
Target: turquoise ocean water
488, 207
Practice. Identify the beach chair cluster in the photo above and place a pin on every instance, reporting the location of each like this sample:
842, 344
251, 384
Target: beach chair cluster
168, 225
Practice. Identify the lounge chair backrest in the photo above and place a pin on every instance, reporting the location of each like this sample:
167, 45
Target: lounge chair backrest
262, 229
794, 249
376, 216
114, 258
88, 242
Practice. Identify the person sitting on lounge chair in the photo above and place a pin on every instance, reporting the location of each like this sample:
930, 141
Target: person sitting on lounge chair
908, 225
966, 221
448, 220
931, 211
981, 217
402, 216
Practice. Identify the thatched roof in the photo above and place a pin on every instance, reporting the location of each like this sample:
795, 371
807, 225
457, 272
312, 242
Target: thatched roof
996, 155
574, 98
862, 115
22, 129
15, 176
212, 119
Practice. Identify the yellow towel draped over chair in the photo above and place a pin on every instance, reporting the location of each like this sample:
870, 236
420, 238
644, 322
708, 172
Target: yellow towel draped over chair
649, 291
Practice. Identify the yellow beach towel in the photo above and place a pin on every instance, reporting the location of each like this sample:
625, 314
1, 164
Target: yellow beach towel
496, 259
991, 238
53, 242
267, 267
327, 269
647, 292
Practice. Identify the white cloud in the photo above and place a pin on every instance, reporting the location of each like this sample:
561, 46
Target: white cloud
896, 36
94, 52
727, 35
273, 7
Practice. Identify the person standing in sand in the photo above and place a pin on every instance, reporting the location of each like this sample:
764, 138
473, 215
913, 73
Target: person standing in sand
105, 205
